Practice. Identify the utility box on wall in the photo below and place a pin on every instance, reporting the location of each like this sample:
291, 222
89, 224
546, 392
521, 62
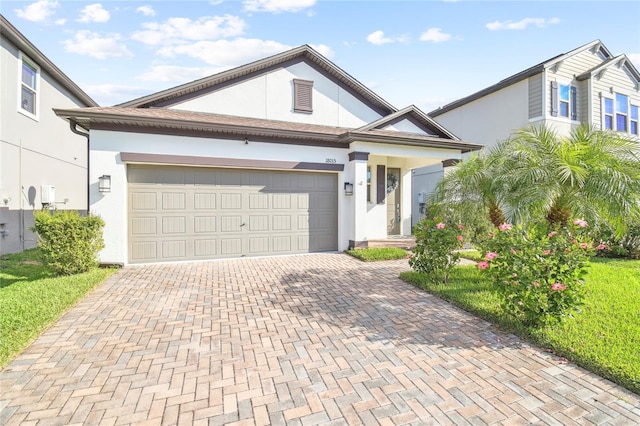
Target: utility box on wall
48, 194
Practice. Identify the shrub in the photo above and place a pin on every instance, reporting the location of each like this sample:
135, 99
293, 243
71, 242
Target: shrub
69, 242
627, 245
539, 270
434, 253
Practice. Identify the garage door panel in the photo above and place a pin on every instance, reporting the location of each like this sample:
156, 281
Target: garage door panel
144, 251
144, 226
258, 223
231, 201
174, 249
204, 224
258, 201
213, 213
231, 246
174, 225
143, 201
203, 201
205, 248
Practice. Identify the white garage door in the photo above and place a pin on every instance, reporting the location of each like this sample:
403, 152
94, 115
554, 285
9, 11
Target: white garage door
192, 213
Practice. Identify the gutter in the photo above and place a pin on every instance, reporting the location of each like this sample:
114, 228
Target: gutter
73, 127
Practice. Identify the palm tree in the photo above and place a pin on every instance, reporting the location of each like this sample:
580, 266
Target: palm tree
535, 174
468, 190
592, 174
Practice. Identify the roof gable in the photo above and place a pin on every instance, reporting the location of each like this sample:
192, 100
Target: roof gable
596, 46
416, 117
12, 34
621, 61
303, 53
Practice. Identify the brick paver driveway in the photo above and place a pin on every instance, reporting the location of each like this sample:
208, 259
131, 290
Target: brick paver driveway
315, 339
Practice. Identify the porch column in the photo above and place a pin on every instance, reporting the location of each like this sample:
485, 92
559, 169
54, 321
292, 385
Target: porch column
358, 168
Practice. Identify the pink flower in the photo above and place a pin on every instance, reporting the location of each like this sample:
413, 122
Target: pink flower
505, 227
440, 225
514, 275
551, 234
483, 265
536, 284
602, 247
491, 255
490, 235
409, 255
558, 287
512, 250
460, 226
584, 245
546, 252
459, 237
581, 223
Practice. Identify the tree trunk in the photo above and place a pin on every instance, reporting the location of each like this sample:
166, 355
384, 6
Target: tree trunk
558, 215
496, 216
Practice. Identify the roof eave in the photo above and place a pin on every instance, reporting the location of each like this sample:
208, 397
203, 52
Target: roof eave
403, 140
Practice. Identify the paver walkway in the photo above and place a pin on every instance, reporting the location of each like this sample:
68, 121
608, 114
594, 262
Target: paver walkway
314, 339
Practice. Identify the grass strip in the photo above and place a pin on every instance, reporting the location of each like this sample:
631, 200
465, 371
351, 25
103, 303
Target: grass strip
374, 254
32, 298
604, 338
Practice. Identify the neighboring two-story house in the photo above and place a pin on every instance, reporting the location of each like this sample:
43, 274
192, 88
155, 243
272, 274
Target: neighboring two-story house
586, 85
288, 154
43, 162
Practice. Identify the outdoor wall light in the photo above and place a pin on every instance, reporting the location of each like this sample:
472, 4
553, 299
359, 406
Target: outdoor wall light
348, 188
104, 183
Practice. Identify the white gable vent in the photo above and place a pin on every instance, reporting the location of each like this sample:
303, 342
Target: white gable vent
302, 99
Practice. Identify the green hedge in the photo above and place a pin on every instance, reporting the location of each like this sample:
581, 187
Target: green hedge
69, 242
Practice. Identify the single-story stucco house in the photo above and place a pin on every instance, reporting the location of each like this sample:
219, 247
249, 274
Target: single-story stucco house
288, 154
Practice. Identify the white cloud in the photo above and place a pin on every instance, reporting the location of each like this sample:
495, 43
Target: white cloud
61, 21
94, 13
92, 44
378, 38
435, 35
146, 10
277, 6
178, 30
635, 59
522, 24
323, 49
38, 11
175, 73
226, 53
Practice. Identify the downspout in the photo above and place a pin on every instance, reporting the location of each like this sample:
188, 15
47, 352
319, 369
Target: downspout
73, 126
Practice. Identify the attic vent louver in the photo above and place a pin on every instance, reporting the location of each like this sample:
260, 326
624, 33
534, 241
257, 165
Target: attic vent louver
302, 95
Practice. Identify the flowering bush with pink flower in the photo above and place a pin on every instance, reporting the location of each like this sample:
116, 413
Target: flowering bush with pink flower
539, 271
434, 253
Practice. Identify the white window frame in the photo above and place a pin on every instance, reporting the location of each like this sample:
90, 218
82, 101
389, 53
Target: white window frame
22, 58
632, 120
616, 113
605, 115
562, 101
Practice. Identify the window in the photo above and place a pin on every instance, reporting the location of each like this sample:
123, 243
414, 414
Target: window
29, 80
302, 95
633, 122
608, 113
622, 110
564, 100
368, 184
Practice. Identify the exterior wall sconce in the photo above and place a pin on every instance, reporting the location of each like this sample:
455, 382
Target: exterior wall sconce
104, 183
348, 188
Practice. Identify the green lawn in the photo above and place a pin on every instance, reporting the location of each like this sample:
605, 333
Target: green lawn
32, 297
374, 254
604, 338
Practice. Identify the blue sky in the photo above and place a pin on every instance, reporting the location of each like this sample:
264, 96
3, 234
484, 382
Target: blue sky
426, 53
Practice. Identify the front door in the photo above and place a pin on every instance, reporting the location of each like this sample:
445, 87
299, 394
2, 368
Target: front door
393, 202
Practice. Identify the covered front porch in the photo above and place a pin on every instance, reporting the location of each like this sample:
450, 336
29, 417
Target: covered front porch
381, 202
